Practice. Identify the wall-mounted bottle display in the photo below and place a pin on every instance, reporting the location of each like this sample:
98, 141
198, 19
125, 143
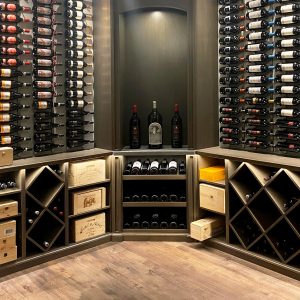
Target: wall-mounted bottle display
259, 75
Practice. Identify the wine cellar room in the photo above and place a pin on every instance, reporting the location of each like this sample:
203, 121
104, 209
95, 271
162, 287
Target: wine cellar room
150, 148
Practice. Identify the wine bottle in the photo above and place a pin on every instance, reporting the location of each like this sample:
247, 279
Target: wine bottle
12, 95
75, 14
10, 106
154, 167
12, 62
289, 147
288, 54
231, 90
9, 117
285, 135
13, 51
232, 121
12, 40
78, 123
145, 167
78, 34
76, 44
11, 18
173, 198
287, 101
155, 128
76, 84
287, 112
41, 115
78, 143
78, 113
128, 167
231, 60
136, 221
257, 133
288, 43
78, 64
19, 150
230, 130
285, 9
44, 94
44, 31
257, 101
229, 141
40, 52
75, 24
163, 225
45, 42
231, 50
11, 184
230, 100
287, 20
79, 5
134, 129
78, 54
287, 89
288, 67
225, 2
230, 70
261, 35
229, 9
231, 40
11, 128
257, 122
12, 139
12, 84
233, 19
154, 221
145, 225
163, 167
259, 57
164, 198
289, 31
256, 144
154, 198
283, 123
181, 168
262, 24
288, 78
13, 29
173, 221
229, 110
258, 3
176, 129
260, 90
77, 103
12, 73
257, 14
259, 79
46, 126
257, 111
77, 94
231, 29
13, 7
77, 74
77, 132
42, 104
231, 80
136, 167
258, 47
44, 137
46, 147
42, 10
144, 198
172, 167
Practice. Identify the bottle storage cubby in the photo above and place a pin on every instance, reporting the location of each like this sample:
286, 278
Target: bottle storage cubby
154, 219
10, 183
265, 221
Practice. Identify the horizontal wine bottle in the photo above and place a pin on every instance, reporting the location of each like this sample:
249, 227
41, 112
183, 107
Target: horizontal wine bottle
257, 133
78, 54
230, 130
287, 112
43, 31
77, 132
233, 19
288, 43
14, 7
12, 40
285, 135
231, 70
13, 51
286, 9
288, 147
12, 84
19, 150
11, 128
76, 14
231, 50
10, 106
13, 62
231, 29
257, 14
44, 115
78, 143
262, 24
9, 117
231, 80
227, 120
257, 122
78, 113
257, 101
77, 94
76, 24
79, 5
44, 147
230, 110
288, 54
259, 79
12, 139
283, 123
77, 74
45, 84
289, 31
259, 57
257, 144
11, 18
45, 126
258, 47
77, 103
46, 104
229, 9
225, 2
44, 137
12, 95
13, 29
260, 90
79, 64
287, 89
230, 141
76, 84
230, 100
288, 78
231, 60
257, 111
258, 3
287, 101
78, 123
231, 90
78, 34
12, 73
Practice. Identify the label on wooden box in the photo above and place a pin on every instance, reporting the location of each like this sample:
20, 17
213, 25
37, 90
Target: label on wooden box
87, 172
212, 198
88, 228
7, 229
204, 229
6, 156
88, 200
7, 255
8, 208
7, 242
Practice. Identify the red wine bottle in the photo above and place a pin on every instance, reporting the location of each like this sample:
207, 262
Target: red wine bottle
43, 115
134, 129
12, 62
13, 51
12, 7
12, 40
176, 129
13, 29
10, 18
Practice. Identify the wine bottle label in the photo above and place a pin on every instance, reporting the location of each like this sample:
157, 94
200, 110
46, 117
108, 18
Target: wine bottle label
287, 43
254, 69
44, 52
254, 90
44, 42
78, 74
80, 103
287, 67
287, 31
286, 101
254, 4
42, 105
4, 117
44, 62
79, 45
43, 10
6, 84
44, 21
80, 54
254, 47
5, 95
80, 64
44, 95
5, 129
173, 164
287, 8
255, 36
155, 134
287, 78
79, 35
287, 89
44, 73
254, 79
44, 84
44, 31
6, 140
78, 5
6, 72
286, 112
137, 164
254, 57
154, 164
287, 20
287, 54
4, 106
254, 14
254, 25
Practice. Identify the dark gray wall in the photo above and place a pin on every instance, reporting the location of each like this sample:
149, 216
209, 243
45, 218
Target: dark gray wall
153, 59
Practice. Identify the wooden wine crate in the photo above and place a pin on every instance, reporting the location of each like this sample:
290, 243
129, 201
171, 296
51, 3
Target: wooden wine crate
88, 200
87, 172
7, 229
7, 255
204, 229
7, 242
8, 208
6, 156
87, 228
212, 198
214, 173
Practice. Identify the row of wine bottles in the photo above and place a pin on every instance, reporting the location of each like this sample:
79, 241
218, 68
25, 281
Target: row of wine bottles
7, 184
156, 221
155, 198
155, 129
154, 167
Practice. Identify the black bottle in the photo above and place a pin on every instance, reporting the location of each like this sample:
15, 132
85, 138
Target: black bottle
134, 129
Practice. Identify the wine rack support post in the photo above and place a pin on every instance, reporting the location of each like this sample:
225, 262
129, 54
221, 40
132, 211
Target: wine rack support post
119, 195
67, 204
227, 162
23, 211
191, 183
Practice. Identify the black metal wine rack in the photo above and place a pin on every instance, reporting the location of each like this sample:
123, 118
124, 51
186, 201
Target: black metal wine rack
256, 113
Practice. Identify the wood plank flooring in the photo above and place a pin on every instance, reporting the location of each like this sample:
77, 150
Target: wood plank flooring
149, 270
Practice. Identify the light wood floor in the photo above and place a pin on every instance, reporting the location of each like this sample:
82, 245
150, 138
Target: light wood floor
149, 270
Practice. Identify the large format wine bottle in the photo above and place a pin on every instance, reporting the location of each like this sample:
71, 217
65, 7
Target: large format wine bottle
176, 129
155, 128
134, 129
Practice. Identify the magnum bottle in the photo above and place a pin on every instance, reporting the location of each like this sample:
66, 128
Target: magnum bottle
134, 129
155, 128
176, 129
